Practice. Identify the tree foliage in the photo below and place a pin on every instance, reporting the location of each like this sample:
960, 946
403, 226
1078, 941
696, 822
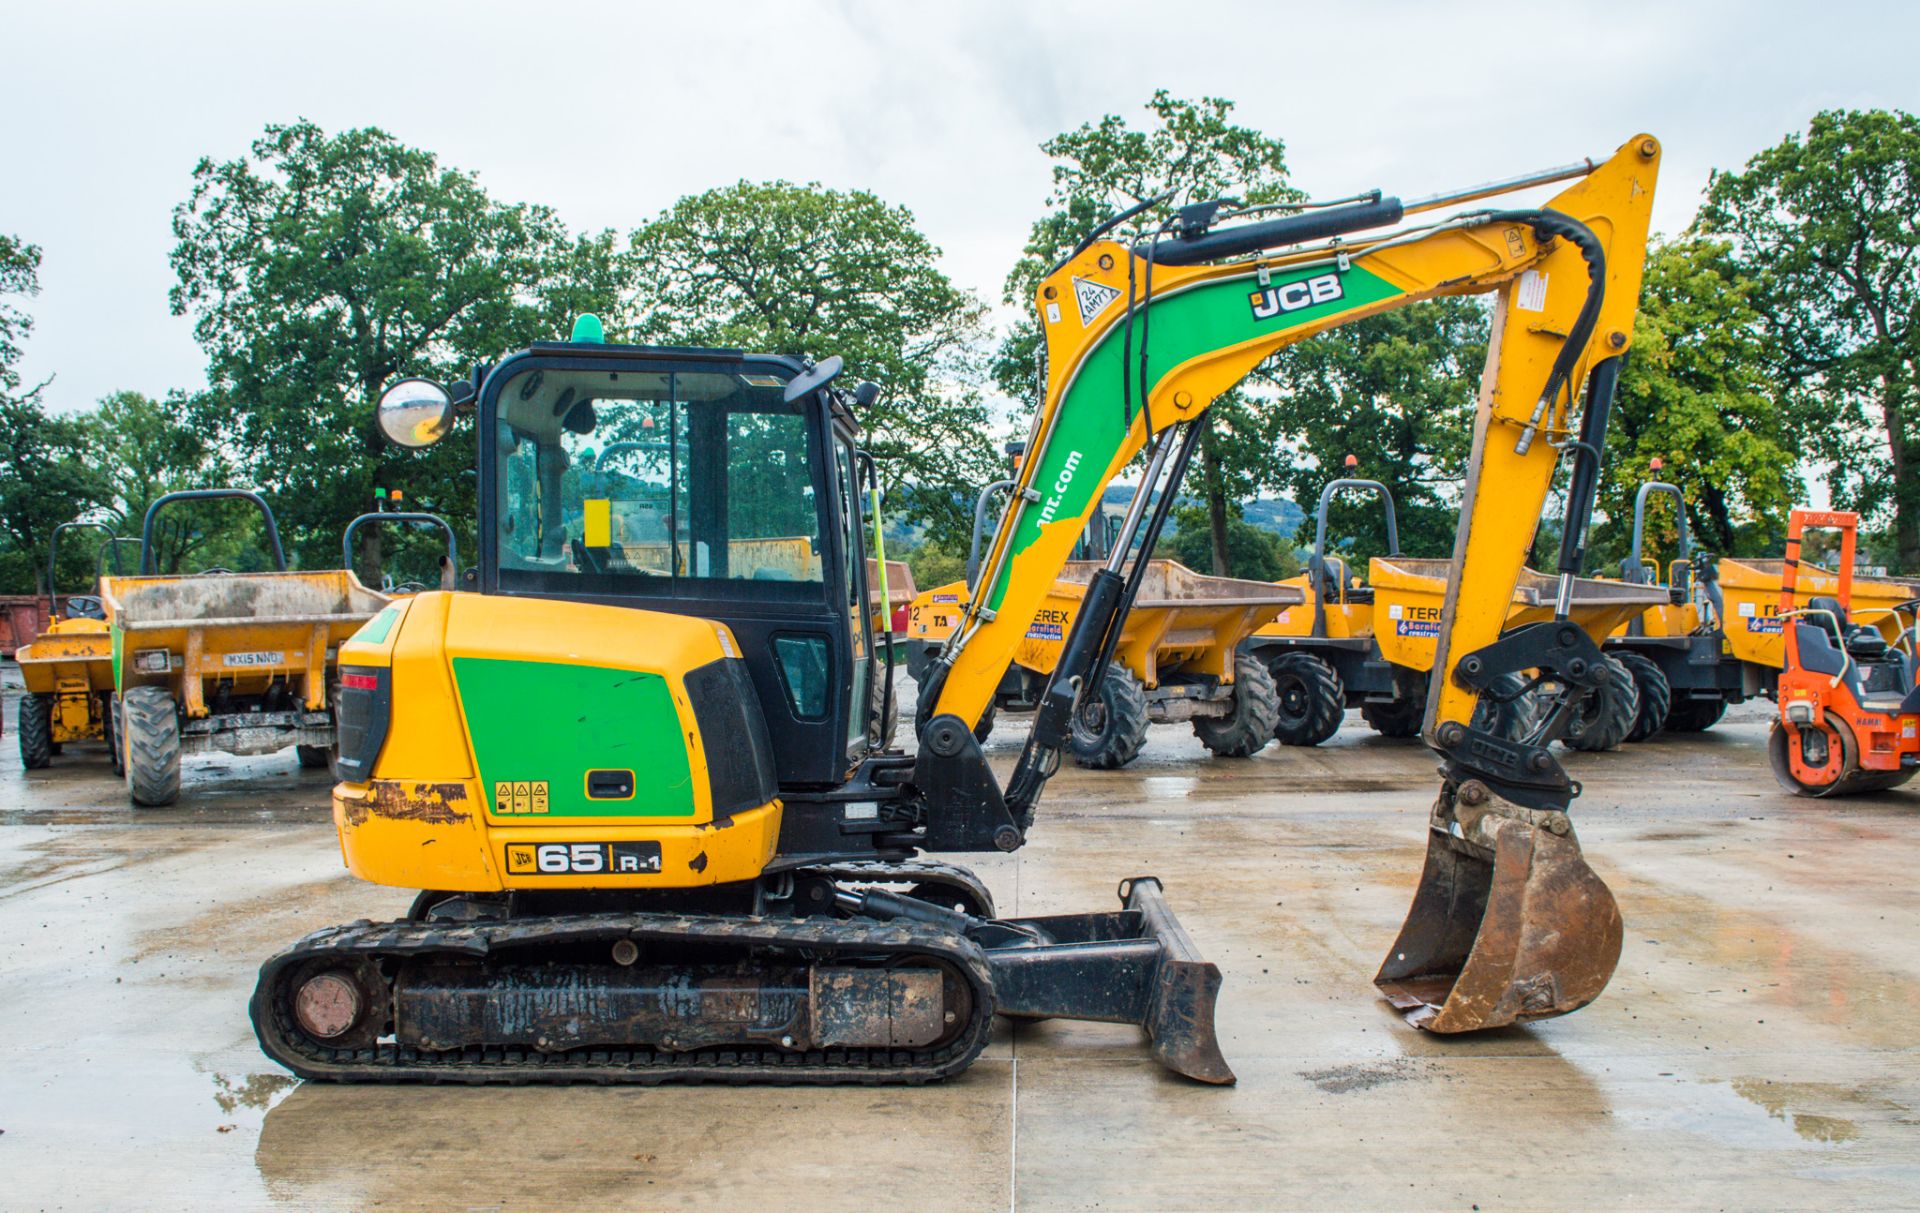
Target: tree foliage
19, 277
1827, 225
1252, 552
802, 269
1397, 392
1194, 151
1697, 394
317, 268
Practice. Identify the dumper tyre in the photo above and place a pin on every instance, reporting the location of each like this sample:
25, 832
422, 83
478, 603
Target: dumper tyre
313, 757
1656, 696
1604, 715
1247, 729
1398, 719
116, 737
36, 731
1695, 715
1312, 701
1109, 731
153, 746
1506, 709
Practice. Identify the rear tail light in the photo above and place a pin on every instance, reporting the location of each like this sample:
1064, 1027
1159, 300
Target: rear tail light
361, 717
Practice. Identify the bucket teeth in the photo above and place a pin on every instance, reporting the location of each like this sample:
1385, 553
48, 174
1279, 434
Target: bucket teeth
1526, 932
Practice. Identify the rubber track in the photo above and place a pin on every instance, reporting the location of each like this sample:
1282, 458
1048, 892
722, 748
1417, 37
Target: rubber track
917, 871
281, 1038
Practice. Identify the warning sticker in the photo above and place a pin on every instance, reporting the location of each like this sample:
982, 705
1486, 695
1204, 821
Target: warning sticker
1532, 295
520, 796
1093, 297
597, 523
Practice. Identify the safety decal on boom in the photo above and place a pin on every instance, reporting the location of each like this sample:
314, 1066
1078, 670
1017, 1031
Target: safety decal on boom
1093, 297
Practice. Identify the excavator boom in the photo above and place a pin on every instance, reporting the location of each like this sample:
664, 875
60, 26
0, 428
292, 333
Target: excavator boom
1509, 922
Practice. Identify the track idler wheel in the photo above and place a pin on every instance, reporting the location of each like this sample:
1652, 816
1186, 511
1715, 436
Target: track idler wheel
1509, 923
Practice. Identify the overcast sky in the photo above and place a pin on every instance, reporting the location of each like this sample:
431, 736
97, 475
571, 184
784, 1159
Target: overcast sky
610, 111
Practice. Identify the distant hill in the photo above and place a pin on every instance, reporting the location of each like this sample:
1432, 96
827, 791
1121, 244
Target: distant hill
1276, 514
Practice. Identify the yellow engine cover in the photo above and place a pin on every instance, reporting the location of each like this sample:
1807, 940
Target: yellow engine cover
537, 744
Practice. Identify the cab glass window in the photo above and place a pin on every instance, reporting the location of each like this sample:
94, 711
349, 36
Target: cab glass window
662, 481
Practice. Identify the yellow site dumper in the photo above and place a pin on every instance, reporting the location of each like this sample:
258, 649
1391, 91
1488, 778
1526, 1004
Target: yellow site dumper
1174, 660
67, 669
1371, 644
237, 662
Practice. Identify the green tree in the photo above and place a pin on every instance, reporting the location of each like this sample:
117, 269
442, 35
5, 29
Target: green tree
151, 447
803, 269
1195, 151
317, 268
50, 473
49, 465
1397, 392
1825, 225
1697, 394
934, 563
1252, 552
19, 276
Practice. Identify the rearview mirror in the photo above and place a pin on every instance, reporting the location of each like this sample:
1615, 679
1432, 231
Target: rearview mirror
818, 376
414, 413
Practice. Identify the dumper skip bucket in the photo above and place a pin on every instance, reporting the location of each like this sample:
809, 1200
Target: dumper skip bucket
1509, 925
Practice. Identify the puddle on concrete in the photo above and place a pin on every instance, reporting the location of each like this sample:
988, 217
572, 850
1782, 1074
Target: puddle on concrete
1789, 1101
257, 1091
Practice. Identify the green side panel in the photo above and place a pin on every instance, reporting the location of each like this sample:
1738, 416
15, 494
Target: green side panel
374, 631
118, 637
1090, 427
548, 722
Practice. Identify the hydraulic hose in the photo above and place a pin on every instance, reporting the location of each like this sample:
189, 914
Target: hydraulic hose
1547, 225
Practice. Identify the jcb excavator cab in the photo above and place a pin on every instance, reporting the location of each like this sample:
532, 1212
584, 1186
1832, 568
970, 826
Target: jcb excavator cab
707, 483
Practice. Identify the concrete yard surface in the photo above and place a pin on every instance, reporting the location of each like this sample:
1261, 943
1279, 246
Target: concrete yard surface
1754, 1051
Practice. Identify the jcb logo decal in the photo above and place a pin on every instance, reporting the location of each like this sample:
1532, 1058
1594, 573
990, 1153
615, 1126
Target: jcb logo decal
1293, 296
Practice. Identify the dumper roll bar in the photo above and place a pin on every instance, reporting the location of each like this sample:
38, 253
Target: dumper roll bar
1317, 565
1632, 569
407, 516
53, 553
111, 548
148, 566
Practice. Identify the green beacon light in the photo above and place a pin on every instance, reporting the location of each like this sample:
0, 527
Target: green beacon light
587, 329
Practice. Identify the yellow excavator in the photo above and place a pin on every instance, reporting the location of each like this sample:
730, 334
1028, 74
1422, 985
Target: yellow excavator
638, 776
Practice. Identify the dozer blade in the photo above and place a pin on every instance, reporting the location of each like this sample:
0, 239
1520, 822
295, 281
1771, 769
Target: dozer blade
1135, 966
1516, 929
